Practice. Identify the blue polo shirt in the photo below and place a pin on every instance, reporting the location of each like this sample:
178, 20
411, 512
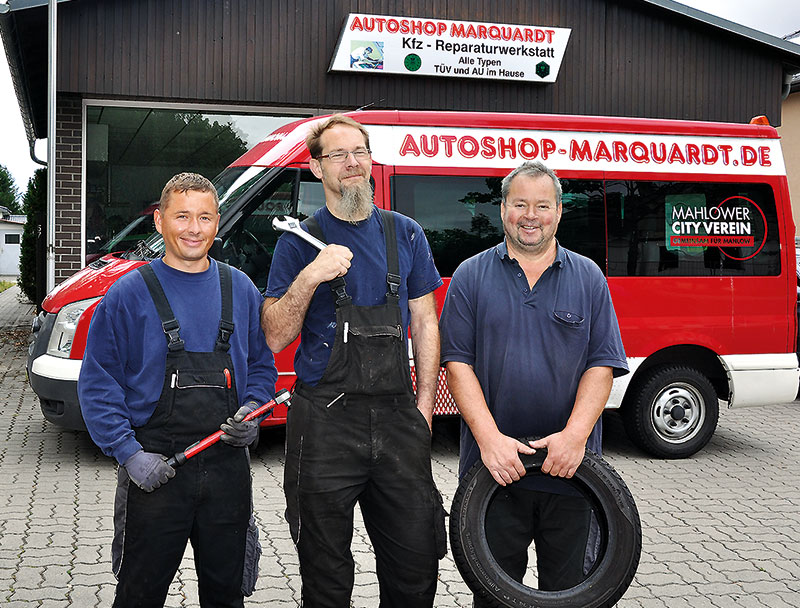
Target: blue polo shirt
366, 278
529, 347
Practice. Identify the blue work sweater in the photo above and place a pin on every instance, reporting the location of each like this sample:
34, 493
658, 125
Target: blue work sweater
122, 374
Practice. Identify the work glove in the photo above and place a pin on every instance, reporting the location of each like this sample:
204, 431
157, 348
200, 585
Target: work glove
237, 433
148, 470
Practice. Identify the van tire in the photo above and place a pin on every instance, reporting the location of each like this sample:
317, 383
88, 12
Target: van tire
609, 578
671, 411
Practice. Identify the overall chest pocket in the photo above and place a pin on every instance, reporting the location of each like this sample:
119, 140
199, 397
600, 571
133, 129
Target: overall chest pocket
376, 358
370, 356
183, 379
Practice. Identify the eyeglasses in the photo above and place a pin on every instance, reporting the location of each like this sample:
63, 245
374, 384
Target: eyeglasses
339, 156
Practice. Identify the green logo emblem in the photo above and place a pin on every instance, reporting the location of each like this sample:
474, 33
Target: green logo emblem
542, 69
412, 62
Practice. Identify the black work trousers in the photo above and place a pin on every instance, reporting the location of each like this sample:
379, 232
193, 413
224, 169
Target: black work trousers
374, 451
206, 503
557, 524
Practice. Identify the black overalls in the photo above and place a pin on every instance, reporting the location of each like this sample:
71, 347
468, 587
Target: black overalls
357, 436
209, 499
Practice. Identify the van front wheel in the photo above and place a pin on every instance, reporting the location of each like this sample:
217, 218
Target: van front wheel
671, 411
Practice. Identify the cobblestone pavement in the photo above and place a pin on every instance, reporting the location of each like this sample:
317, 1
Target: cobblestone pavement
721, 529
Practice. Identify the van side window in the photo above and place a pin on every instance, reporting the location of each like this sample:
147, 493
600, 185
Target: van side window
582, 225
691, 229
249, 244
311, 196
461, 215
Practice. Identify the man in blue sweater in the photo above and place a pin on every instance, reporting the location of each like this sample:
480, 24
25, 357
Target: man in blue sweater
171, 353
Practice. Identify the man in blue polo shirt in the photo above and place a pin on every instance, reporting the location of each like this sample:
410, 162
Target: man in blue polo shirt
531, 345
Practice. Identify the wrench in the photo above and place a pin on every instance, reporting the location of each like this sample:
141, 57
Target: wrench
282, 396
290, 224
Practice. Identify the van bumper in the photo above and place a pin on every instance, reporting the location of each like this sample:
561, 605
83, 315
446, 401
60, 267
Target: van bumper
763, 379
54, 380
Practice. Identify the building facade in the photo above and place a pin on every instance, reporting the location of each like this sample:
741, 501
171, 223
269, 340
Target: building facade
148, 88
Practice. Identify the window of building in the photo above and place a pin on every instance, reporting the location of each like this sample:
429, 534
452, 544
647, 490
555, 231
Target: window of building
12, 239
131, 152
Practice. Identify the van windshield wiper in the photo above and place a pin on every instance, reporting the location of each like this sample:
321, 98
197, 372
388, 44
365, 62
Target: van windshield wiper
142, 251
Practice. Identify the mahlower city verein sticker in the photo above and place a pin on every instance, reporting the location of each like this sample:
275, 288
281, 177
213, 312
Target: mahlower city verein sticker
736, 226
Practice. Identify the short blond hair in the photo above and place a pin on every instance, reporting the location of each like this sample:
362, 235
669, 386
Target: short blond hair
183, 182
315, 134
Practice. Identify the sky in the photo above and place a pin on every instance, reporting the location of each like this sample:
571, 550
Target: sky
776, 17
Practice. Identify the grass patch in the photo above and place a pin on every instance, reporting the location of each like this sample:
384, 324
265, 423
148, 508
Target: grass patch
5, 285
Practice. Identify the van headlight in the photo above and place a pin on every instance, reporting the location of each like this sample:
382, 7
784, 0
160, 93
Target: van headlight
66, 323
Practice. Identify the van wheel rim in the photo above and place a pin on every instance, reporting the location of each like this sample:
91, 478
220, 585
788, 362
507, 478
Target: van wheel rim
678, 412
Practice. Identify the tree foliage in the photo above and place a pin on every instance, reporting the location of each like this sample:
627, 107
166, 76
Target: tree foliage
9, 193
34, 205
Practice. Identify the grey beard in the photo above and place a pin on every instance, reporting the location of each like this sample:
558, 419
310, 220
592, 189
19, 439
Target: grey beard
356, 202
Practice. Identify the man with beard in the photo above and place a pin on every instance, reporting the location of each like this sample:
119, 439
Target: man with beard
356, 433
531, 345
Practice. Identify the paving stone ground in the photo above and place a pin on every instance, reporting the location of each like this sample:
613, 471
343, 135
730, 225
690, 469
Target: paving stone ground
721, 529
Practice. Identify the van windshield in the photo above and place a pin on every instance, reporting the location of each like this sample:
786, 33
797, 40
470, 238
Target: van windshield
231, 184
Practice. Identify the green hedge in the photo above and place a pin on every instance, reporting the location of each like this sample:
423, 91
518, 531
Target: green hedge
32, 281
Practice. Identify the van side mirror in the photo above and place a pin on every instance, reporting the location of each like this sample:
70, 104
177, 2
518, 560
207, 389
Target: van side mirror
216, 249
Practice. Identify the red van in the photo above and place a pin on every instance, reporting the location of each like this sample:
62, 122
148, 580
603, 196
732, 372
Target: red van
691, 223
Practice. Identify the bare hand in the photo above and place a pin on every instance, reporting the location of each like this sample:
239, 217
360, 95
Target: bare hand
564, 454
331, 262
500, 457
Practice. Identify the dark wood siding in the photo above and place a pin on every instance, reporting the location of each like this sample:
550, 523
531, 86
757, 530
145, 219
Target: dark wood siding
623, 58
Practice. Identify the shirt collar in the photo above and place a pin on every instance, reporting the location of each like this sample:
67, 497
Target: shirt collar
502, 252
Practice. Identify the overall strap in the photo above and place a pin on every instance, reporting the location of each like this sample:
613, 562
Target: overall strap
338, 285
392, 260
169, 323
226, 318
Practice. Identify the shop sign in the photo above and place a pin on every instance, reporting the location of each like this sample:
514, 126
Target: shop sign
375, 44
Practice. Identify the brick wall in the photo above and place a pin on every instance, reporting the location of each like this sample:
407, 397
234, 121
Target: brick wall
68, 188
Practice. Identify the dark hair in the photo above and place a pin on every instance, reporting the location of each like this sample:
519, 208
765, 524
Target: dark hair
183, 182
531, 168
315, 134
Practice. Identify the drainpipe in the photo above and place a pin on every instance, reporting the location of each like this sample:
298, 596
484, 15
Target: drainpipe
32, 150
787, 84
51, 144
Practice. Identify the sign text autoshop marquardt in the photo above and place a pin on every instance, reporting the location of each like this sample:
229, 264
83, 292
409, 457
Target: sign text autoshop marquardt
435, 47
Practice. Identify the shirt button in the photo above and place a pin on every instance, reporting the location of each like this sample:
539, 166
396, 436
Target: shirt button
569, 316
519, 274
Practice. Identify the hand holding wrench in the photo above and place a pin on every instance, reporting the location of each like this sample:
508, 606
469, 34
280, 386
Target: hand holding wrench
282, 396
290, 224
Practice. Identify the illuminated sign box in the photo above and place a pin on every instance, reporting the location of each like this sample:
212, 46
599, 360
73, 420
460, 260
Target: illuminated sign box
375, 44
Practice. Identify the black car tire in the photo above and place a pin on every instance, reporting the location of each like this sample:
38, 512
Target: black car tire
671, 411
620, 531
